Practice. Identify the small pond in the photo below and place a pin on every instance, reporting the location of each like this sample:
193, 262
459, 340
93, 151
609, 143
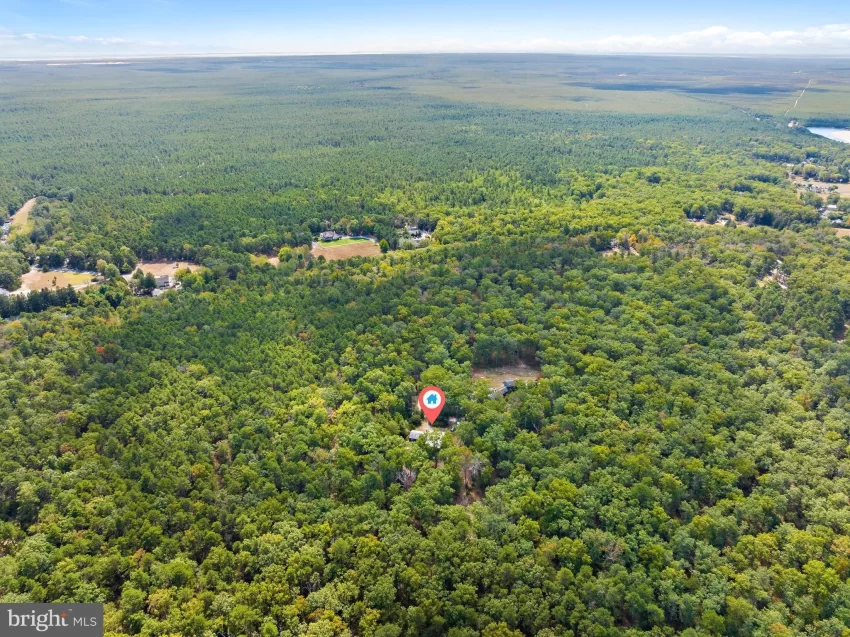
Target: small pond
837, 134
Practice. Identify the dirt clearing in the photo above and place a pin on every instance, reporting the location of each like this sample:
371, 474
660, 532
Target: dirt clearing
38, 280
363, 248
496, 376
842, 232
22, 216
161, 268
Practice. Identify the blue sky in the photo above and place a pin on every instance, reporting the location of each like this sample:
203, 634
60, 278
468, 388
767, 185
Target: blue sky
110, 28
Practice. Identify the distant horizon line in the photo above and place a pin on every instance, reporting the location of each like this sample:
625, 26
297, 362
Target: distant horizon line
106, 60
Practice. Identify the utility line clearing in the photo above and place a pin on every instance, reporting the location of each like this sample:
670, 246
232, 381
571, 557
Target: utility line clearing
799, 98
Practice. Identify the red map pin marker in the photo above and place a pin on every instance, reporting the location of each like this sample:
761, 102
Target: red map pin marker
431, 401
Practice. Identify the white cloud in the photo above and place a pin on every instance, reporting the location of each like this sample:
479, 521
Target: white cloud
834, 38
22, 46
718, 40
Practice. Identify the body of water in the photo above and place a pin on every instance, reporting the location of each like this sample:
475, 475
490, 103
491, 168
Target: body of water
837, 134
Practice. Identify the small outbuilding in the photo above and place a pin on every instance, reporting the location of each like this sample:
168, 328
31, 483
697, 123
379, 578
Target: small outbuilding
507, 387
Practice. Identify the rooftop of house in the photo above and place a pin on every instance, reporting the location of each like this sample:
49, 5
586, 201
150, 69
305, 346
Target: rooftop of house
507, 387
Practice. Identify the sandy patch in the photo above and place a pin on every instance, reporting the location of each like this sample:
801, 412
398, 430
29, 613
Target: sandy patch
346, 251
22, 216
38, 280
160, 268
842, 232
496, 376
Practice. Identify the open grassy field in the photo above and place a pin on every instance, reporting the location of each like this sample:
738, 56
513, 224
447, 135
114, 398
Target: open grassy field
345, 249
38, 280
20, 220
344, 242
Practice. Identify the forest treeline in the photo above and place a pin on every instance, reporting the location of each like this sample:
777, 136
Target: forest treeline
36, 301
234, 169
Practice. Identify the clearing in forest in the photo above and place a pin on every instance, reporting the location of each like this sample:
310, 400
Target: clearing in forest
842, 189
721, 222
345, 249
842, 232
261, 259
37, 280
22, 216
496, 376
162, 268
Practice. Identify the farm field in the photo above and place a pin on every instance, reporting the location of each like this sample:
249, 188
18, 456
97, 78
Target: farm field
345, 249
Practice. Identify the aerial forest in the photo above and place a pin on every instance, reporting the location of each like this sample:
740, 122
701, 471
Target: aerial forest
233, 458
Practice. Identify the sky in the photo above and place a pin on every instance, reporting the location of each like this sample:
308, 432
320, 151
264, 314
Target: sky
52, 29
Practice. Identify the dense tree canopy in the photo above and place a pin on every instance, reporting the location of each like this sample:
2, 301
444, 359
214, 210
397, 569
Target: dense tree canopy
248, 157
232, 458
